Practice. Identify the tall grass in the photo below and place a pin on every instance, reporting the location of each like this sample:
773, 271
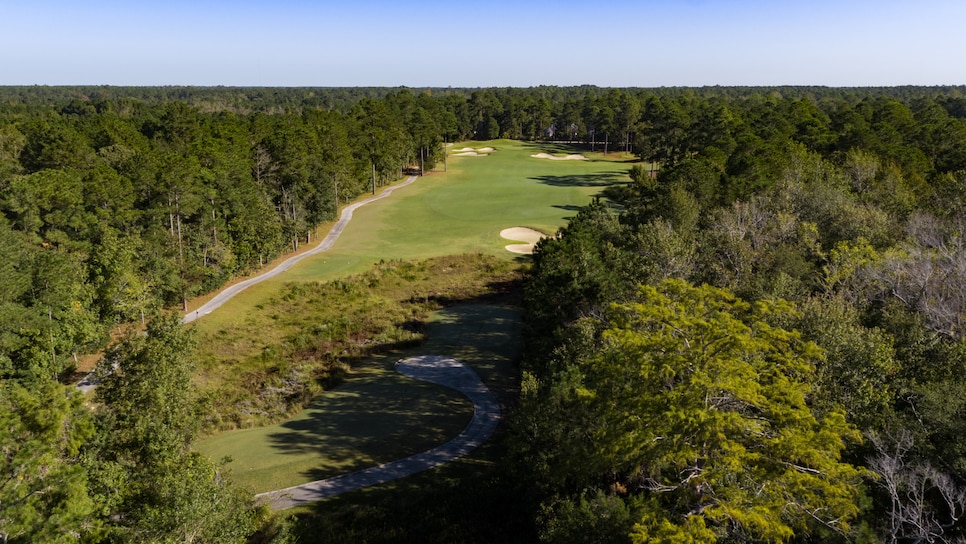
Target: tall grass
304, 338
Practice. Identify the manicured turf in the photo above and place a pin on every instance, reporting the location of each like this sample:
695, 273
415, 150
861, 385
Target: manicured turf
465, 209
376, 415
460, 211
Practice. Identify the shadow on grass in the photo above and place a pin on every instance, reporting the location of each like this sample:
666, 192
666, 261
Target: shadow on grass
600, 179
379, 419
471, 500
379, 415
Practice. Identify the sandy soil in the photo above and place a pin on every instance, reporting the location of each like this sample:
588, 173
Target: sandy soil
469, 154
577, 157
521, 234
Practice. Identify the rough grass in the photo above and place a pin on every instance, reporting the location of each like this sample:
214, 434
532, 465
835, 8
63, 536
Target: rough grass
304, 338
265, 336
461, 211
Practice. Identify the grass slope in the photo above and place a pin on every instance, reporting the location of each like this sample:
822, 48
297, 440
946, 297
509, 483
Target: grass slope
460, 211
377, 415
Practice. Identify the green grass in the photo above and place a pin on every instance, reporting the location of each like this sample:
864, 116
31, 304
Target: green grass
465, 209
460, 211
378, 415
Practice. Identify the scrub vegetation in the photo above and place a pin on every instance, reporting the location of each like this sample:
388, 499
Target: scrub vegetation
306, 337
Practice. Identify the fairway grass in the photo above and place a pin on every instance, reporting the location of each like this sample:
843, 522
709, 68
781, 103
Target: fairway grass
460, 211
377, 415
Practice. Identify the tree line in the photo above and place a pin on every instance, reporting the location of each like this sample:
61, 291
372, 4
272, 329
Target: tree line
807, 239
761, 341
112, 210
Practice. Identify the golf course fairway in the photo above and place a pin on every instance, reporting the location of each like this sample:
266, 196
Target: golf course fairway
378, 415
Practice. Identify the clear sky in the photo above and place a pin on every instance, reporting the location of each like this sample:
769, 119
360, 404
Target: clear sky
483, 43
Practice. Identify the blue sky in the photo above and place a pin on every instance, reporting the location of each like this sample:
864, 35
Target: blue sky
472, 43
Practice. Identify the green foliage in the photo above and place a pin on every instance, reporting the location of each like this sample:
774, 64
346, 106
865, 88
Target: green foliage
846, 200
860, 363
145, 390
46, 309
147, 481
577, 273
596, 517
43, 494
194, 501
692, 399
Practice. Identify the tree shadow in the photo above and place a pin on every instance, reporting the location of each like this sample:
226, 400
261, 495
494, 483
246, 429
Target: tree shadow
371, 421
601, 179
377, 415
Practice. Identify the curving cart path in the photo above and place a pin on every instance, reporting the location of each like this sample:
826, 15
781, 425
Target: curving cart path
326, 244
429, 368
89, 382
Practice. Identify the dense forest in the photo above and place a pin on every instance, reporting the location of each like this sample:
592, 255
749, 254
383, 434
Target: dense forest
759, 339
764, 342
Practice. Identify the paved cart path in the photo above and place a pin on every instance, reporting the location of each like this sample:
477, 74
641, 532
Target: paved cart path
89, 382
326, 244
430, 368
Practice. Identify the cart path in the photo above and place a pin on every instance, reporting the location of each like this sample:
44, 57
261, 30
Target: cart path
326, 244
89, 382
429, 368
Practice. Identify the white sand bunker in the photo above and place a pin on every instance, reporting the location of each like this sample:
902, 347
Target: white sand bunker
577, 157
470, 152
521, 234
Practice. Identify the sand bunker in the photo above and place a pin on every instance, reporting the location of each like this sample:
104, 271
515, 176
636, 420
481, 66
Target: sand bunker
576, 157
521, 234
470, 152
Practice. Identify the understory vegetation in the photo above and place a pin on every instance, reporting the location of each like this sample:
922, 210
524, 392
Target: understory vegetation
760, 338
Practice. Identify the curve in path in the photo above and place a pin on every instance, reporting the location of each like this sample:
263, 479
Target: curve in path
333, 235
89, 382
429, 368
